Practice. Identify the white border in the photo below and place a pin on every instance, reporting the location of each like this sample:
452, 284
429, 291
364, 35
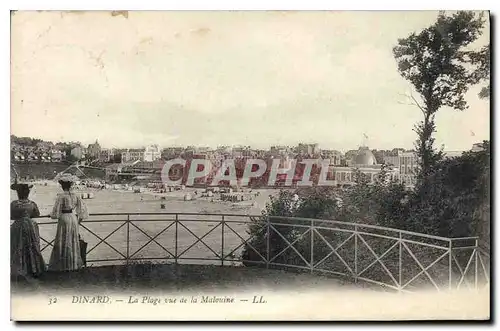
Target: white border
180, 5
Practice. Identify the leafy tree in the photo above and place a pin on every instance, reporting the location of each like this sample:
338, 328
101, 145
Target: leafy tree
282, 205
319, 202
117, 158
70, 158
379, 155
481, 60
457, 201
434, 62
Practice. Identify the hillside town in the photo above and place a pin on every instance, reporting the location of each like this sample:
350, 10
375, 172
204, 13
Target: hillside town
132, 162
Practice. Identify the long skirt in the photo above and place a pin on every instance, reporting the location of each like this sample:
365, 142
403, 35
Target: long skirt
25, 255
66, 252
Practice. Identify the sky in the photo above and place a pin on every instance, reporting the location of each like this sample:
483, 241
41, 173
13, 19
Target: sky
223, 78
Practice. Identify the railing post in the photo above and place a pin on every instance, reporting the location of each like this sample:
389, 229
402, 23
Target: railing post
176, 238
476, 251
268, 241
356, 253
450, 258
400, 280
128, 237
312, 246
222, 242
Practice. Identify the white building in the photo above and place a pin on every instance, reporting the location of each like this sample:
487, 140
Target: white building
477, 147
78, 152
308, 149
408, 166
366, 163
56, 155
133, 154
152, 153
451, 154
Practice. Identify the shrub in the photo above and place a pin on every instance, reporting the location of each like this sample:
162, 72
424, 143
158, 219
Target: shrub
452, 201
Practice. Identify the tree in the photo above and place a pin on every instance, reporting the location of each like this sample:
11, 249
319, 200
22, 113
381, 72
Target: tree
457, 203
117, 158
379, 155
281, 205
435, 62
481, 60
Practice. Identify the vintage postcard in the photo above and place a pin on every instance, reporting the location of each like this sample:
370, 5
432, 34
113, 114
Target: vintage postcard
250, 165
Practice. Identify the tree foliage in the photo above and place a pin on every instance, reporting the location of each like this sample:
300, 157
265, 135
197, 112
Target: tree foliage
435, 61
481, 61
453, 201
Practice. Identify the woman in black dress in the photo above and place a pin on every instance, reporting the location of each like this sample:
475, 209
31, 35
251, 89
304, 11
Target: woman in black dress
25, 256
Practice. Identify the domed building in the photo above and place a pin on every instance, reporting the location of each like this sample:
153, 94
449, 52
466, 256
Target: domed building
364, 160
365, 157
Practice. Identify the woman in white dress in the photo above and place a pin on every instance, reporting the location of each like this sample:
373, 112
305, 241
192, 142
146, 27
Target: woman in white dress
69, 210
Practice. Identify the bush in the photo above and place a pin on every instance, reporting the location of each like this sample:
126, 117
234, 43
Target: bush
359, 204
452, 202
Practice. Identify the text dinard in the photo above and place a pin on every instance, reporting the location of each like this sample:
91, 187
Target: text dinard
152, 300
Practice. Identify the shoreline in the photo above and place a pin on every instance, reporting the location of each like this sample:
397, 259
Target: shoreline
111, 200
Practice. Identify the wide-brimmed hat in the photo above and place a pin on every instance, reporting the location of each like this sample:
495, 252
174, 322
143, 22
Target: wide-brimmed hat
20, 186
66, 178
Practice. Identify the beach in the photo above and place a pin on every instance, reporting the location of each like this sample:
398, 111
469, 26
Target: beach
115, 247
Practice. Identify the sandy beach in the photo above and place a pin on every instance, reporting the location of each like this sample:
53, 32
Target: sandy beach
121, 201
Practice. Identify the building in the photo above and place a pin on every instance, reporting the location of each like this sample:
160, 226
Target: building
408, 167
242, 151
335, 157
17, 156
364, 157
202, 149
156, 165
451, 154
56, 155
280, 150
78, 152
392, 157
31, 156
308, 149
170, 153
477, 147
344, 176
349, 157
133, 154
366, 163
94, 150
152, 153
392, 160
107, 155
224, 149
45, 157
44, 146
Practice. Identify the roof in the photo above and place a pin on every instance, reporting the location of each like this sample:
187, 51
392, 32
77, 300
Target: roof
114, 166
365, 157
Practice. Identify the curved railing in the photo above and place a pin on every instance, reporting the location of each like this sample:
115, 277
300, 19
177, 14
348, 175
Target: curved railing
396, 259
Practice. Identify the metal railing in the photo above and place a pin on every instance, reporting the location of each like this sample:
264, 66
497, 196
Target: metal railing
396, 259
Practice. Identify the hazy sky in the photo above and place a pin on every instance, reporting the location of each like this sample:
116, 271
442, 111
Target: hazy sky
209, 78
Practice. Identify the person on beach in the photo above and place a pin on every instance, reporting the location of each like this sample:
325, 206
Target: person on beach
25, 256
69, 210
